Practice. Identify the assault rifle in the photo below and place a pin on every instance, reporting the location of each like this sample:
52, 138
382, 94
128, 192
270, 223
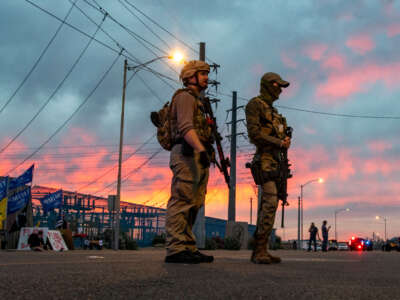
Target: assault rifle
284, 175
223, 163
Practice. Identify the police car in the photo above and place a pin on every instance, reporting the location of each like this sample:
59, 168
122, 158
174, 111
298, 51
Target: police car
360, 244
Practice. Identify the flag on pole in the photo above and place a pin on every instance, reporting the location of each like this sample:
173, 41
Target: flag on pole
52, 201
3, 201
25, 178
18, 200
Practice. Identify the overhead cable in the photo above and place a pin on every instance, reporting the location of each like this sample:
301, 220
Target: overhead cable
70, 117
56, 89
38, 59
112, 168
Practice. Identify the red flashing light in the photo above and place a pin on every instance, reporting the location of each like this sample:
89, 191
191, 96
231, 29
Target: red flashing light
353, 238
359, 246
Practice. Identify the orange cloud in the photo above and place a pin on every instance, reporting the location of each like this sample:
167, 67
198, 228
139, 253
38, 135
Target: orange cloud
360, 44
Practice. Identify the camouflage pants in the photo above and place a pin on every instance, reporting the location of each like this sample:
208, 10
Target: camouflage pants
188, 192
266, 212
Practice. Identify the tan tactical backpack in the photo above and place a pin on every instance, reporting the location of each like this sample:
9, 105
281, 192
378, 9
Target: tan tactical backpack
162, 120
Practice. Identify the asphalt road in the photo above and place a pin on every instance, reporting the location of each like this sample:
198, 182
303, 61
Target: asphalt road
143, 275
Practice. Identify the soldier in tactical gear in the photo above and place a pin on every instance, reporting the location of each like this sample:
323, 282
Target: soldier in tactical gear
267, 131
189, 162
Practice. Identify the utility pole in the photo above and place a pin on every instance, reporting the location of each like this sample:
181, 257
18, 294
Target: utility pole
232, 183
199, 228
298, 223
251, 211
121, 143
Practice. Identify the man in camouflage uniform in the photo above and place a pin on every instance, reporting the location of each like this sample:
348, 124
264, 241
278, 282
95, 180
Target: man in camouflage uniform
266, 130
189, 162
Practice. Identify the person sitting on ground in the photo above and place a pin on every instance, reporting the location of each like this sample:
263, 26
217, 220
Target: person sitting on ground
36, 242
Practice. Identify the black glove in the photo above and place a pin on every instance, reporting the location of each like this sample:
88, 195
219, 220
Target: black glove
204, 160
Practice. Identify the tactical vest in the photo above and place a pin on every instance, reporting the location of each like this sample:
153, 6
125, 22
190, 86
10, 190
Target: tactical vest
270, 116
200, 123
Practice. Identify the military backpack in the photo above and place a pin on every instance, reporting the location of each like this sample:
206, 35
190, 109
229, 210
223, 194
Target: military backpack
162, 120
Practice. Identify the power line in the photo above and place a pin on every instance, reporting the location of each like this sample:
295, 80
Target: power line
71, 116
326, 113
38, 59
136, 36
130, 173
56, 89
112, 168
164, 29
145, 25
130, 11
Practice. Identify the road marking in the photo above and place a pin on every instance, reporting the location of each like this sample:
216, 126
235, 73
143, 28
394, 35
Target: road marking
320, 260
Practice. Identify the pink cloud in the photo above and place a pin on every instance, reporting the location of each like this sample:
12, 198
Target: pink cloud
288, 61
379, 146
316, 51
393, 30
335, 62
360, 44
355, 80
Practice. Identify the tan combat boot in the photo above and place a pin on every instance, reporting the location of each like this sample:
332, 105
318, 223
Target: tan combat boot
274, 259
259, 255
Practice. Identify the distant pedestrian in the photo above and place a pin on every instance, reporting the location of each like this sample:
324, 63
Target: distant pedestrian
313, 236
325, 233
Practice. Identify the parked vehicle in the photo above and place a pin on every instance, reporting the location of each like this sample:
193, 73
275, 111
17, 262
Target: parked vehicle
360, 244
392, 244
342, 246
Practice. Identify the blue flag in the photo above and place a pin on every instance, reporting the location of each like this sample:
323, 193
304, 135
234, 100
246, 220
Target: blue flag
18, 200
23, 179
3, 188
52, 201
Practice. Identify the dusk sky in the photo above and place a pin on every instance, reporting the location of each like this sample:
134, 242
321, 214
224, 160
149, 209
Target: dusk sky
341, 57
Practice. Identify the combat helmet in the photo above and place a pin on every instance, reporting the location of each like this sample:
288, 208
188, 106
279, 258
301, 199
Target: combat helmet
192, 67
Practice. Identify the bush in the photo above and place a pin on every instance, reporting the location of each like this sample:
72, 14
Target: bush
231, 243
219, 241
131, 245
211, 244
158, 239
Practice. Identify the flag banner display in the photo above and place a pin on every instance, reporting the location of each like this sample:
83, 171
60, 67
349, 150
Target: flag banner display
18, 201
3, 188
3, 212
56, 240
26, 232
25, 178
52, 201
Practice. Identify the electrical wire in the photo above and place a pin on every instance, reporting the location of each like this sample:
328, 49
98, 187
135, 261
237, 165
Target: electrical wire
38, 59
71, 116
130, 173
144, 24
112, 168
360, 116
164, 29
56, 89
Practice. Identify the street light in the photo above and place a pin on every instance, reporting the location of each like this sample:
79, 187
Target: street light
384, 219
336, 212
177, 57
300, 210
